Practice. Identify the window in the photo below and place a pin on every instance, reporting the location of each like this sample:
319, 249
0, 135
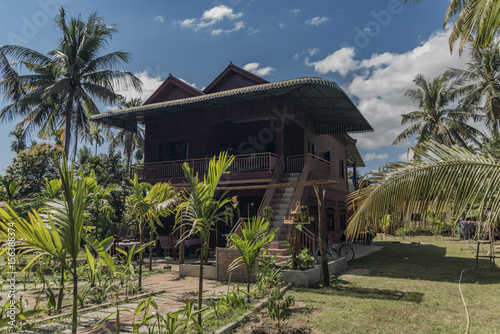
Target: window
174, 151
327, 155
341, 169
331, 221
343, 221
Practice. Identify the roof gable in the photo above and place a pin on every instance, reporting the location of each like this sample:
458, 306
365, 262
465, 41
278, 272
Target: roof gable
233, 77
172, 89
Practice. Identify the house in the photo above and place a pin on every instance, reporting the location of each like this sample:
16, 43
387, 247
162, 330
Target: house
280, 132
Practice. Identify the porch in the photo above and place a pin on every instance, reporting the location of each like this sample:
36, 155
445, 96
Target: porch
254, 168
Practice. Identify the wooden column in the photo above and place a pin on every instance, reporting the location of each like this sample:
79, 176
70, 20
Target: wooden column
182, 246
320, 195
355, 177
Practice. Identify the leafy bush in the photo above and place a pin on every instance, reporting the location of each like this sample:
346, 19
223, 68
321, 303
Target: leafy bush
305, 260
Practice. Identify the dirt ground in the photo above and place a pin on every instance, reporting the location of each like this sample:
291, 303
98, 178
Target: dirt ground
260, 323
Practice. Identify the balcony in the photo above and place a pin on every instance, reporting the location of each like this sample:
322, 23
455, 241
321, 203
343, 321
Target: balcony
260, 162
297, 163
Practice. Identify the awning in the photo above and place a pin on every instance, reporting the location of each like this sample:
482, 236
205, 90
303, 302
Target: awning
323, 100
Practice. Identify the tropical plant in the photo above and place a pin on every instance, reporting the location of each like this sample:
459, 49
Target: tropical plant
148, 204
305, 260
58, 233
255, 236
268, 213
200, 210
278, 304
435, 119
482, 83
130, 140
19, 143
31, 167
476, 21
443, 175
60, 90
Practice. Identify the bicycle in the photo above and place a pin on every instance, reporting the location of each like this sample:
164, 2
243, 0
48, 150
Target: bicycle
337, 250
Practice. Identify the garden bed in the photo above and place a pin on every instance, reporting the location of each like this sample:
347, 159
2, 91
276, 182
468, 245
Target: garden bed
307, 278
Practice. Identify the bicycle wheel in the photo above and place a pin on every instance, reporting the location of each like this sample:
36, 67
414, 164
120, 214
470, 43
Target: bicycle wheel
333, 252
347, 252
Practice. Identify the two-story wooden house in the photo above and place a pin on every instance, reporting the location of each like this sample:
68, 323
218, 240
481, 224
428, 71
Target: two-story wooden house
284, 131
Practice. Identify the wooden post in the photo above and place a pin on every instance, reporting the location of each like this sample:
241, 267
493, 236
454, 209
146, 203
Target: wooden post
320, 195
355, 177
182, 245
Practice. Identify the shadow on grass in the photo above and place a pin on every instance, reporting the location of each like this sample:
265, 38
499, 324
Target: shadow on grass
426, 262
344, 289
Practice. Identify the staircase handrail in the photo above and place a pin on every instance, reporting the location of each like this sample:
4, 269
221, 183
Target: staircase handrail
268, 195
304, 175
308, 240
236, 229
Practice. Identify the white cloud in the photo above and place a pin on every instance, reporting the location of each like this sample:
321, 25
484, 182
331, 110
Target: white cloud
237, 26
159, 18
187, 82
373, 156
210, 18
313, 51
405, 157
378, 83
341, 61
253, 30
296, 56
257, 70
281, 25
316, 21
294, 12
149, 86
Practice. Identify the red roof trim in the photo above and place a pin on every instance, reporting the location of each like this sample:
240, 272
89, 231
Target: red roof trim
233, 68
171, 80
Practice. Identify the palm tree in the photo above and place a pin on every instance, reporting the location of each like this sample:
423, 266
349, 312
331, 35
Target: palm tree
149, 203
435, 119
444, 175
128, 139
482, 76
254, 236
61, 88
58, 233
476, 21
200, 210
19, 143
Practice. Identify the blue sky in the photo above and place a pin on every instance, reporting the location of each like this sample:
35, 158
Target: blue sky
373, 49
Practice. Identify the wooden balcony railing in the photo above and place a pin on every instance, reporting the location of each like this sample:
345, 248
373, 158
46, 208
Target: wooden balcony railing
269, 194
241, 163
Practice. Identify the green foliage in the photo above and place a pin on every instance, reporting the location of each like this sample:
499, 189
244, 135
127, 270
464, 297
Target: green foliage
278, 304
31, 167
304, 213
268, 213
305, 260
255, 235
457, 175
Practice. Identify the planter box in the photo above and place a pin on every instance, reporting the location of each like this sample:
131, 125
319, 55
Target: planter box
193, 270
312, 276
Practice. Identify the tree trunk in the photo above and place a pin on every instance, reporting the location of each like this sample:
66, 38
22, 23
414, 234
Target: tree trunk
151, 250
320, 195
74, 321
200, 285
67, 131
61, 291
140, 259
182, 247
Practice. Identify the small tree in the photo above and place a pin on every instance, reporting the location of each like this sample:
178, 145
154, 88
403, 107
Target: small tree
200, 209
255, 235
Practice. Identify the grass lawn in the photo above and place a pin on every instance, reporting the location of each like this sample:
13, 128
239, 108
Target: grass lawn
406, 288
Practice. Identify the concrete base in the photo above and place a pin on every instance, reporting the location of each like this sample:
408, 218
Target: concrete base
193, 270
312, 276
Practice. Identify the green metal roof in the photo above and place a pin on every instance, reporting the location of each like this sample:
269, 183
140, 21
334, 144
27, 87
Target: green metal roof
322, 99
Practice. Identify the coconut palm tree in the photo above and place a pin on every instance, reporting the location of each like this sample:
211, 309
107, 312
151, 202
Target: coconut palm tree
476, 21
435, 119
200, 209
482, 83
128, 139
149, 203
61, 88
443, 175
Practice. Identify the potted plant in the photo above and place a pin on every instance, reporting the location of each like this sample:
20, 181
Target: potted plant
268, 213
